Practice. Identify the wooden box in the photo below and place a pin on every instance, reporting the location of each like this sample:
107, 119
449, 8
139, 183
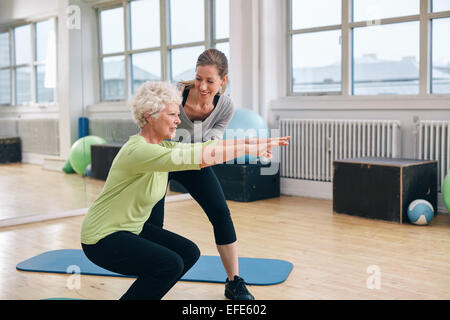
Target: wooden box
102, 156
10, 149
382, 188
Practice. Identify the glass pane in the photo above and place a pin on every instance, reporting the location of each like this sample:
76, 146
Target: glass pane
4, 49
145, 16
187, 21
441, 5
308, 14
114, 78
364, 10
23, 85
384, 65
22, 44
225, 48
440, 72
43, 30
146, 66
222, 19
183, 63
316, 62
5, 87
43, 94
112, 30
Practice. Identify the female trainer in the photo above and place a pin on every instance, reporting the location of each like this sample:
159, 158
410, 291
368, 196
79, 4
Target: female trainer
205, 113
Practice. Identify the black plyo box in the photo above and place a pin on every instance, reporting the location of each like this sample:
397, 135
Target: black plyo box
10, 149
244, 182
102, 156
382, 188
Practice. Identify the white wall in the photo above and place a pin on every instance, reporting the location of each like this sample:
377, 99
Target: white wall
258, 68
13, 11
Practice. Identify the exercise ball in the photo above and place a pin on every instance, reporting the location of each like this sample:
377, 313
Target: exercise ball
246, 123
446, 191
80, 153
420, 212
67, 168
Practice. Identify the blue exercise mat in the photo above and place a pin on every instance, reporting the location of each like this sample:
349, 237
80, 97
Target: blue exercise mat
255, 271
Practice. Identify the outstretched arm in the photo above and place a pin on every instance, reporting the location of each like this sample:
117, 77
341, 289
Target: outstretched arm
226, 150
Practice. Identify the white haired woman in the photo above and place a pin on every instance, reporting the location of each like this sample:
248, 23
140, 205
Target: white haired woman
114, 234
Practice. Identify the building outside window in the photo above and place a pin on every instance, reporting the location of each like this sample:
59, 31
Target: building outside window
372, 44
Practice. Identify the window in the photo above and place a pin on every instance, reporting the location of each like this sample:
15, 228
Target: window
5, 69
25, 75
440, 62
374, 51
316, 46
176, 33
380, 64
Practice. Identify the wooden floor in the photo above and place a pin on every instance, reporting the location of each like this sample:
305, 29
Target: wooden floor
331, 253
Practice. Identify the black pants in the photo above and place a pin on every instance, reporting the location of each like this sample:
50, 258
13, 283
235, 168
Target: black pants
205, 188
159, 258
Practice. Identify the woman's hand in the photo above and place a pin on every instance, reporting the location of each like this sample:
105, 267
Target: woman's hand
261, 147
256, 140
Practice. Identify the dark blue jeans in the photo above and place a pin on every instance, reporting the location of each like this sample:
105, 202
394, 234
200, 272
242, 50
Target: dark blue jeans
205, 188
159, 258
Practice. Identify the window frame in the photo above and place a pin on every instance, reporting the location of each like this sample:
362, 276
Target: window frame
165, 47
347, 26
33, 64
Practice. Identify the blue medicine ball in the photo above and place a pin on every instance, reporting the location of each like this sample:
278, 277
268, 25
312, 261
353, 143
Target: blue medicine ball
420, 212
246, 124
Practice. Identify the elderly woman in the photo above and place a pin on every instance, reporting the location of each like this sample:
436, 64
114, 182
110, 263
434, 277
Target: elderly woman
114, 234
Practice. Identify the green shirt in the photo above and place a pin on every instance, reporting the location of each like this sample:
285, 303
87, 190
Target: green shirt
136, 181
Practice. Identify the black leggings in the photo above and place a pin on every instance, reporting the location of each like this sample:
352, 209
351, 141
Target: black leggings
159, 258
205, 188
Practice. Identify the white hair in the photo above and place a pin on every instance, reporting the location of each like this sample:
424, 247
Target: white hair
152, 97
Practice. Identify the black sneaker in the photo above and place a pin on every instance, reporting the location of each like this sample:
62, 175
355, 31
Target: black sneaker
236, 290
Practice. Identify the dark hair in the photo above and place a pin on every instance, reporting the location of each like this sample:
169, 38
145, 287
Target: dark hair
212, 57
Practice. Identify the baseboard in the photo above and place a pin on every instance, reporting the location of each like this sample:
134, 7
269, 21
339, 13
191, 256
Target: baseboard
33, 158
53, 163
441, 206
306, 188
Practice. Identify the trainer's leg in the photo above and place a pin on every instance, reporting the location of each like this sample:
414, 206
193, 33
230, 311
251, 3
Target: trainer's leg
157, 215
205, 188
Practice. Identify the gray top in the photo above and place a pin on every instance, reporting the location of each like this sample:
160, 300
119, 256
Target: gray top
212, 128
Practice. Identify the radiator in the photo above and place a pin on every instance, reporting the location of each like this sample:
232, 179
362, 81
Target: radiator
113, 130
434, 144
39, 136
315, 143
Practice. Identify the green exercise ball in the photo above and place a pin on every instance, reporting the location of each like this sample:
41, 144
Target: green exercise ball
80, 153
446, 191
